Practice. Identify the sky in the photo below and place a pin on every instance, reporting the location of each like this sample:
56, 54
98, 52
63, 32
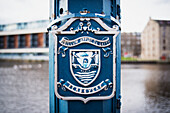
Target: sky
135, 13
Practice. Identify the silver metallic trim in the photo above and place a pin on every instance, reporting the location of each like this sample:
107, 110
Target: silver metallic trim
84, 88
85, 100
60, 30
105, 42
116, 21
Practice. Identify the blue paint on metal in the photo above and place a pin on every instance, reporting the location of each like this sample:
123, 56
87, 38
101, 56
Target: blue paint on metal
107, 106
98, 9
63, 104
94, 6
52, 97
90, 107
113, 13
56, 8
80, 15
106, 8
118, 72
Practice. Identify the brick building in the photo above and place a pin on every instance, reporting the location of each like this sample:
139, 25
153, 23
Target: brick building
25, 39
24, 35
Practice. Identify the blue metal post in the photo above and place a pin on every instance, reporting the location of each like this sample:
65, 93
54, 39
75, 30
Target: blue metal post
78, 29
118, 71
52, 97
53, 101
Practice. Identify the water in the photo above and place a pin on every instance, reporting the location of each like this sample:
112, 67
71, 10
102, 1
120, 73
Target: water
24, 88
146, 88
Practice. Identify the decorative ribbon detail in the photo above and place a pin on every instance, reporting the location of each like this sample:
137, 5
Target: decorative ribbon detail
107, 51
62, 50
83, 90
65, 42
71, 43
84, 28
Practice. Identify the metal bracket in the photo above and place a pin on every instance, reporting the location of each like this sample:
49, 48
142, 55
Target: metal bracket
118, 101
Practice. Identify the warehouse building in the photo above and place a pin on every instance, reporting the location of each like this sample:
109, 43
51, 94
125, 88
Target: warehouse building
155, 40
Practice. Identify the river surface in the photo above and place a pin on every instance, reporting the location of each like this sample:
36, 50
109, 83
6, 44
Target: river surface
24, 88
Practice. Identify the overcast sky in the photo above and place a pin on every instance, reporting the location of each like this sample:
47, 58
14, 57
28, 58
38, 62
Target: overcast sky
135, 13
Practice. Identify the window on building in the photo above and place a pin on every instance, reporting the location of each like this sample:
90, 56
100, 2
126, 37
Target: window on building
164, 48
153, 29
21, 41
138, 42
2, 27
46, 40
148, 55
143, 49
128, 42
164, 41
164, 31
11, 42
122, 42
1, 42
34, 40
21, 25
153, 35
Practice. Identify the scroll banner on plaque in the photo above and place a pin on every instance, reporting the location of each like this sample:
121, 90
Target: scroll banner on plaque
71, 43
65, 42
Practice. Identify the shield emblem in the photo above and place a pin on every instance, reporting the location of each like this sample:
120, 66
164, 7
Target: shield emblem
82, 46
85, 65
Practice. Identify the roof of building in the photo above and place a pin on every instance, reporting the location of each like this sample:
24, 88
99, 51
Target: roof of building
163, 22
160, 22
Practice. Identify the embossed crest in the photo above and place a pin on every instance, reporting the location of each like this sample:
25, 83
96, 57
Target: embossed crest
85, 65
85, 50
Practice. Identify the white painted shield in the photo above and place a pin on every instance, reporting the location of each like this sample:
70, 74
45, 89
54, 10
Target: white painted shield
85, 65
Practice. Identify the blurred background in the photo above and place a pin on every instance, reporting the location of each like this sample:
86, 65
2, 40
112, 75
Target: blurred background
145, 50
